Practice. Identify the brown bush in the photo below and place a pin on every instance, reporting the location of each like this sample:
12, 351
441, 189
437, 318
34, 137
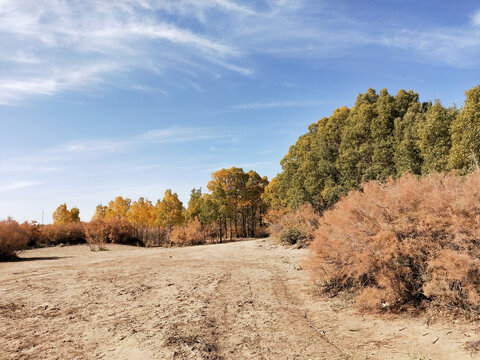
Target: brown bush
99, 232
33, 232
55, 234
189, 234
12, 239
295, 227
119, 231
404, 243
96, 232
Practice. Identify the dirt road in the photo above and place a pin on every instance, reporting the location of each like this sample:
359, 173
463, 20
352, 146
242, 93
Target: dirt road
244, 300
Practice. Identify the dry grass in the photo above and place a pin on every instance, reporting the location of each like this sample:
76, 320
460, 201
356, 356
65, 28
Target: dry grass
473, 347
406, 242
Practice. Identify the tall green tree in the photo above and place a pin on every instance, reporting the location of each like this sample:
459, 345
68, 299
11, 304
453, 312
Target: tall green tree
410, 113
356, 154
434, 138
465, 130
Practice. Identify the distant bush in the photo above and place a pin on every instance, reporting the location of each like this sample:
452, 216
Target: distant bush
96, 232
119, 231
12, 239
55, 234
403, 243
189, 234
33, 232
295, 227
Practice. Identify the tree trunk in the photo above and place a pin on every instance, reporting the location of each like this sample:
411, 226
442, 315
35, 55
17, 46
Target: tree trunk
220, 228
236, 223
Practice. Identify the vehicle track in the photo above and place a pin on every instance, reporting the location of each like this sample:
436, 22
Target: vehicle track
244, 300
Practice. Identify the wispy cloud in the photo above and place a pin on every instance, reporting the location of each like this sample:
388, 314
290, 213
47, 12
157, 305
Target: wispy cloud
65, 156
57, 45
155, 136
476, 18
17, 185
13, 89
60, 45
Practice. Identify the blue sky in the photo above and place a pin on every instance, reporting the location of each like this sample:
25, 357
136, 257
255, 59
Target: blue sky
106, 98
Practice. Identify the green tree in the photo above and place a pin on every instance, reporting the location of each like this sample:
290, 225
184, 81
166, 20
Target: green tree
465, 132
355, 160
434, 138
195, 204
410, 113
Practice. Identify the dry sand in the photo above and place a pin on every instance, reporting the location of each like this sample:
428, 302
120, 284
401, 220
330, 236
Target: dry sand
244, 300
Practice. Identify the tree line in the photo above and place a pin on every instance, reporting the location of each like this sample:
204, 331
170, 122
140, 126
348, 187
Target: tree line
381, 136
233, 207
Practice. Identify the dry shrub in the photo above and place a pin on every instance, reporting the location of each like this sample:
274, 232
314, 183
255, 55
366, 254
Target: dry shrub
33, 232
99, 232
119, 231
55, 234
261, 232
96, 232
403, 243
189, 234
295, 227
12, 239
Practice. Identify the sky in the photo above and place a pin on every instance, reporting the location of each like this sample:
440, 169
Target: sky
106, 98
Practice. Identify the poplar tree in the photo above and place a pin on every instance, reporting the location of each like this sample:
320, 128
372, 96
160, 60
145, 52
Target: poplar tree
434, 138
465, 132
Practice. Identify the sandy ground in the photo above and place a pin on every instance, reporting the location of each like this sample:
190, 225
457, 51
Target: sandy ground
244, 300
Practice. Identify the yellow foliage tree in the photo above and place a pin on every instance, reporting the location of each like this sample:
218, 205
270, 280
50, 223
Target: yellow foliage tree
118, 208
62, 215
169, 210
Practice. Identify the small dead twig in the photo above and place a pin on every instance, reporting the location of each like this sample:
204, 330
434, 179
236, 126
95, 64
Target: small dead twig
436, 340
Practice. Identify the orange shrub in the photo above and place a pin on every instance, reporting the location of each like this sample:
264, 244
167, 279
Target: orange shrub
189, 234
403, 243
99, 232
295, 227
119, 231
33, 232
96, 232
12, 239
54, 234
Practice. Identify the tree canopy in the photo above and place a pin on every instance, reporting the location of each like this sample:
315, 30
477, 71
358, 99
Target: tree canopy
381, 136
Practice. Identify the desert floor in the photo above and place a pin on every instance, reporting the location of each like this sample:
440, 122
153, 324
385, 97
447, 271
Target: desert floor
242, 300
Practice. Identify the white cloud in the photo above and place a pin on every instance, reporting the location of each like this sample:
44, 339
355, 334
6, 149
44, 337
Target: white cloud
57, 45
98, 147
60, 46
13, 89
17, 185
476, 18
